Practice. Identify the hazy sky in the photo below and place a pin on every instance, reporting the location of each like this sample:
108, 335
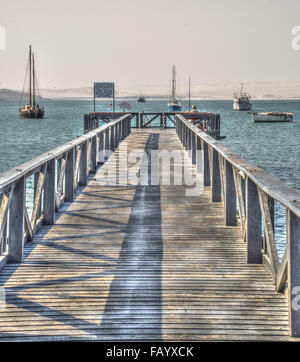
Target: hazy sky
135, 42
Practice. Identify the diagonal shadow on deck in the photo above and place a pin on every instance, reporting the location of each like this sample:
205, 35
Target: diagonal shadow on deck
139, 266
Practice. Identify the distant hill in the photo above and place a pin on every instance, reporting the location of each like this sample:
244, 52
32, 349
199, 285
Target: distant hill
9, 95
205, 91
12, 95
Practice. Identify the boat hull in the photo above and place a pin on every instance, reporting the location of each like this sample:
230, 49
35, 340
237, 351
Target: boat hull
242, 106
32, 113
174, 108
272, 117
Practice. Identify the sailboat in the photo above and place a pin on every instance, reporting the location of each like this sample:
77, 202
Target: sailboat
31, 109
174, 104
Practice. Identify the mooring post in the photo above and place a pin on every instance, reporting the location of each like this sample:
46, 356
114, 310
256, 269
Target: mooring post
49, 193
184, 136
216, 179
293, 251
83, 174
206, 169
93, 165
16, 223
230, 196
69, 176
254, 224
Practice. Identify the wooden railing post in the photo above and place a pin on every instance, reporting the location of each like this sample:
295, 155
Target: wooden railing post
121, 130
230, 196
189, 148
127, 123
94, 151
293, 252
193, 146
100, 149
69, 176
83, 172
106, 142
186, 142
199, 155
184, 136
16, 223
253, 224
49, 194
112, 138
117, 135
206, 168
216, 178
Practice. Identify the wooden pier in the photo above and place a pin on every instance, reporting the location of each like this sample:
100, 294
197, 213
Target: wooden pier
124, 262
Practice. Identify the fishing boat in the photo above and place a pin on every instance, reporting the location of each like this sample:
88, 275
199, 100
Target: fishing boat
272, 116
241, 100
32, 109
141, 99
174, 104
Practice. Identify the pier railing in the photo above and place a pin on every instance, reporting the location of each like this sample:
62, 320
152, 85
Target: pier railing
248, 195
56, 176
209, 121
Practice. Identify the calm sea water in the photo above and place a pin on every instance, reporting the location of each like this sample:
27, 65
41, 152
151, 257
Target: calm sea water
274, 147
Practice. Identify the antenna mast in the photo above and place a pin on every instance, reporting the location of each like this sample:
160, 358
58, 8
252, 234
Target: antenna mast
30, 80
174, 82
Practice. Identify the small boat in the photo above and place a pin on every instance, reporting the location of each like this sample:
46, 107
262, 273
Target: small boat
32, 108
141, 99
241, 101
272, 116
174, 104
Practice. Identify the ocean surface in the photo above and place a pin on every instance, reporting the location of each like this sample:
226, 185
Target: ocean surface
274, 147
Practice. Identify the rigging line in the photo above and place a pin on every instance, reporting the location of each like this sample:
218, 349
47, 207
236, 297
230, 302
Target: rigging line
38, 95
23, 88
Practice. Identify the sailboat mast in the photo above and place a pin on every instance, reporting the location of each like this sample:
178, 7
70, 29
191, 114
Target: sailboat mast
189, 93
33, 80
174, 82
30, 80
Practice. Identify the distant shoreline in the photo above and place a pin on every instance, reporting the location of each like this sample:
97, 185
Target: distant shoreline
150, 99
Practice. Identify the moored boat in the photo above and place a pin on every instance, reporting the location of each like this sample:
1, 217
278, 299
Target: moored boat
141, 99
241, 101
272, 116
32, 109
174, 104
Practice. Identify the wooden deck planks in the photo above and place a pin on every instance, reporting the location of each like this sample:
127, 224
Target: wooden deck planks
140, 263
